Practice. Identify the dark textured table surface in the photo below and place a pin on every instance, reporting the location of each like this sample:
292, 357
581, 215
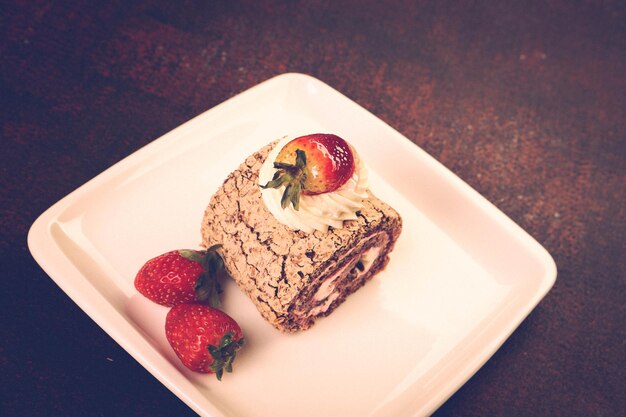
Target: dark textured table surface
526, 102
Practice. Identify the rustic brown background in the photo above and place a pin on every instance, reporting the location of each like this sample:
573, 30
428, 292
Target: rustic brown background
524, 100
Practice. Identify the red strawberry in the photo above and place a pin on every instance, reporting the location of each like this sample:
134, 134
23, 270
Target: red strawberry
205, 339
181, 276
310, 165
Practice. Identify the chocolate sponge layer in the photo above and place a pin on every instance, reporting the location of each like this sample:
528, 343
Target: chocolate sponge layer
294, 277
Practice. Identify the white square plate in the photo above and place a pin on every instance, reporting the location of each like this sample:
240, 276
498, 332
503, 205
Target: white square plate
461, 279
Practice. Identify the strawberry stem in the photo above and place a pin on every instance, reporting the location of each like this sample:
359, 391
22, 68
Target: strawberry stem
293, 177
224, 354
207, 287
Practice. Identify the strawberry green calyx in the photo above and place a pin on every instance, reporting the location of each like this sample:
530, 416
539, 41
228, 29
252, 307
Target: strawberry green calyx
192, 255
293, 177
224, 355
207, 287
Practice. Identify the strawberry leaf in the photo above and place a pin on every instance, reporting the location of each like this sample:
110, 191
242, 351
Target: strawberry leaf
224, 354
300, 159
277, 182
294, 196
286, 198
283, 165
293, 177
192, 255
207, 286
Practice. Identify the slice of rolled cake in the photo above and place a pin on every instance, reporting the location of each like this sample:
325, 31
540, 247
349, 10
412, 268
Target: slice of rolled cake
294, 276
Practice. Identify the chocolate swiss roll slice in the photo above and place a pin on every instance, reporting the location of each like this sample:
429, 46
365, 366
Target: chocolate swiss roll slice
295, 276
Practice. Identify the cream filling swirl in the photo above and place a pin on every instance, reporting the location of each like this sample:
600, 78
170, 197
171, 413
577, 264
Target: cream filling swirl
317, 212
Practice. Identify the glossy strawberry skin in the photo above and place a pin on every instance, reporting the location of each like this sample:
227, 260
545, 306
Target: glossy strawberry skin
329, 161
169, 279
191, 328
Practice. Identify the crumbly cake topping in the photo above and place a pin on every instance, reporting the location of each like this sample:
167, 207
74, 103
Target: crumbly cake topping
273, 264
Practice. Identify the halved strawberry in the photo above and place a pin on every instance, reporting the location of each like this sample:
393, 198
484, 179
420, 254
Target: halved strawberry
181, 276
312, 164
